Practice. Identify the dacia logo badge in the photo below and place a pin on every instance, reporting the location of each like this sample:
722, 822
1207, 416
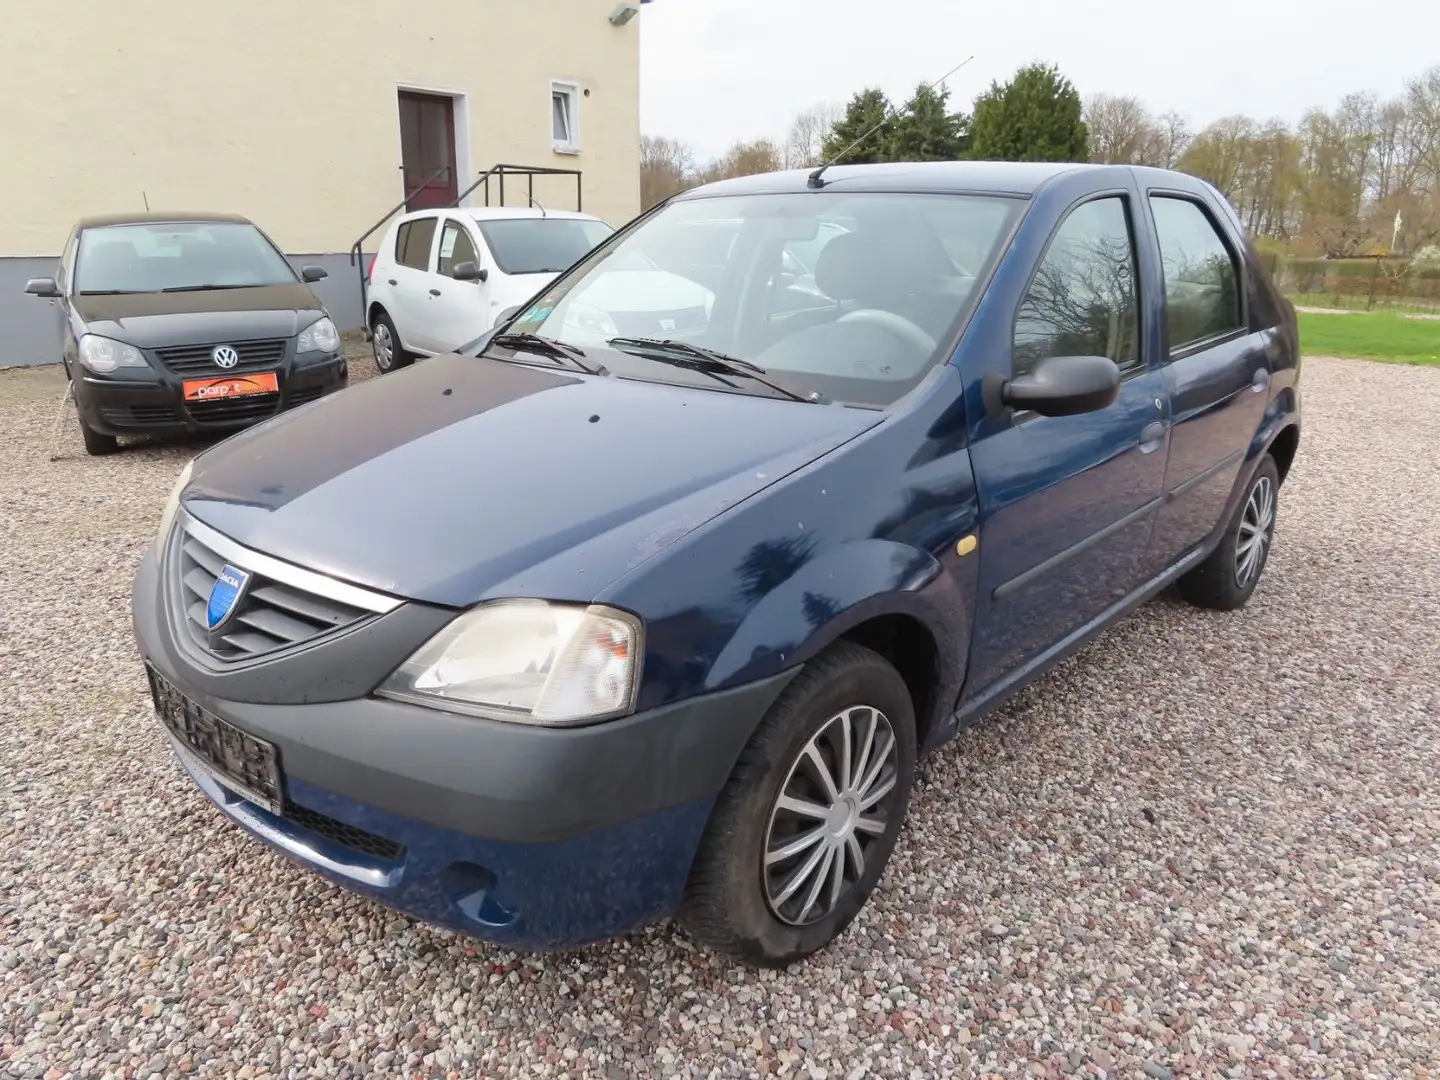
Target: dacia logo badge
225, 596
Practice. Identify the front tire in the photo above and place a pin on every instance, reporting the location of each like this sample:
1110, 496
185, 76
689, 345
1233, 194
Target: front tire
803, 829
96, 443
1227, 578
385, 344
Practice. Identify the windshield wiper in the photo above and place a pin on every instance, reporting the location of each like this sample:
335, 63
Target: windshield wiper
560, 350
108, 292
209, 288
683, 354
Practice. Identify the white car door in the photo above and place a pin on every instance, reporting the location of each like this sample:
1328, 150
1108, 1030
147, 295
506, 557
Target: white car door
459, 311
410, 280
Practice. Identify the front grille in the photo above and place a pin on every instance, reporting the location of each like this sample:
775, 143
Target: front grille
140, 415
197, 359
271, 616
234, 410
349, 836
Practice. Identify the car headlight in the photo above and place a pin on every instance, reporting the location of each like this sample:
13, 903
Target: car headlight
172, 507
529, 662
103, 355
589, 319
320, 336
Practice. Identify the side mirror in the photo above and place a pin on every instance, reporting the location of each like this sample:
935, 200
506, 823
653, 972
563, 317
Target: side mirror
468, 271
42, 286
1058, 386
313, 273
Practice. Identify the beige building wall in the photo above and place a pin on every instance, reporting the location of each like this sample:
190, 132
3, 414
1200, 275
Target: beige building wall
286, 110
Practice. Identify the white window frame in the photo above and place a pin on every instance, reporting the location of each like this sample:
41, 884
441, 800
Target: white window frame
571, 93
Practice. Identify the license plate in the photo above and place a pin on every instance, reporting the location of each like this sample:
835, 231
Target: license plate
246, 765
231, 386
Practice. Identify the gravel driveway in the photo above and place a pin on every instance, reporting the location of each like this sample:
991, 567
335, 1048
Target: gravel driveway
1207, 846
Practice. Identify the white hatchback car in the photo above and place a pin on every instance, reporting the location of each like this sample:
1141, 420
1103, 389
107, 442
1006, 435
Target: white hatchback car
441, 277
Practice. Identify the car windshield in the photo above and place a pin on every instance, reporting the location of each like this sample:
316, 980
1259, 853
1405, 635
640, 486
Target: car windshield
848, 295
152, 257
542, 245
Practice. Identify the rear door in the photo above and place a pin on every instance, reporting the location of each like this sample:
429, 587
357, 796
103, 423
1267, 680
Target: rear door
1216, 370
410, 281
1067, 503
458, 310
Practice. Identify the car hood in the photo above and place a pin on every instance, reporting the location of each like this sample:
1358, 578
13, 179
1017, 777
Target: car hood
467, 477
155, 320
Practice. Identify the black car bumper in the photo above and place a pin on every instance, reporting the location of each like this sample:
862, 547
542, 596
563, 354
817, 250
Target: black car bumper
156, 404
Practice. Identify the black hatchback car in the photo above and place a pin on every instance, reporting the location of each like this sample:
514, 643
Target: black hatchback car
186, 323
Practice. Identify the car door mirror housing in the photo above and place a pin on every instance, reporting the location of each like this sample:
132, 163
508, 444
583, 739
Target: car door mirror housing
469, 271
313, 273
1059, 386
42, 286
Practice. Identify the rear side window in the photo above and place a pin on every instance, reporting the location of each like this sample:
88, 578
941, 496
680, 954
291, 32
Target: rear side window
412, 243
1082, 300
1202, 281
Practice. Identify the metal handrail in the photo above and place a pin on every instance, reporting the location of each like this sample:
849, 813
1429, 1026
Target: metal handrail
357, 251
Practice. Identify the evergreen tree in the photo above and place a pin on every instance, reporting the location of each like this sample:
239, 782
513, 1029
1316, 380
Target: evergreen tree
1033, 117
928, 131
865, 110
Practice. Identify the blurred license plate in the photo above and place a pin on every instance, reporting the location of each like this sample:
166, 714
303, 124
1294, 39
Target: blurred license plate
231, 386
246, 765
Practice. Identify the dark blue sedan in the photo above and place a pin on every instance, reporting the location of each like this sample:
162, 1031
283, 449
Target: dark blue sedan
645, 603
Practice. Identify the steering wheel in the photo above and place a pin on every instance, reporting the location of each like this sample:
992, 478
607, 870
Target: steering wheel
901, 327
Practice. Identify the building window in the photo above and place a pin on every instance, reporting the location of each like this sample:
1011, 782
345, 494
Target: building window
565, 117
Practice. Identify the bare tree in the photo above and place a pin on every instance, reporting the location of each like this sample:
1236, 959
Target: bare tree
744, 159
1120, 129
1169, 139
667, 167
807, 135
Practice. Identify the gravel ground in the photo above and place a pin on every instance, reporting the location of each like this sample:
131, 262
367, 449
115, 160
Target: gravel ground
1207, 846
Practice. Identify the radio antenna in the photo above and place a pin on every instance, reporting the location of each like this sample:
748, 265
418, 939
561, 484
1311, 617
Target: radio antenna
817, 177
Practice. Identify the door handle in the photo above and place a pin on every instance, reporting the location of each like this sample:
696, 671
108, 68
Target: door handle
392, 281
1151, 435
1260, 380
434, 292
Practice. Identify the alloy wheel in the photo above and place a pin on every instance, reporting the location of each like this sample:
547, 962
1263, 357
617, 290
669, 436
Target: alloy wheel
1257, 526
384, 347
832, 808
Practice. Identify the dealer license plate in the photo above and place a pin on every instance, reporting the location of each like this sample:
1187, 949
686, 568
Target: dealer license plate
246, 765
231, 386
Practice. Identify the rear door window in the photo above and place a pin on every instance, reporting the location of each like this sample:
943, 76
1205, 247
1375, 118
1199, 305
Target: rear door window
1202, 280
415, 251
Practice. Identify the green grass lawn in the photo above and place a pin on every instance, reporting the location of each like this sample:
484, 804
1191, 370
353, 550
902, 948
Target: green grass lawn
1383, 336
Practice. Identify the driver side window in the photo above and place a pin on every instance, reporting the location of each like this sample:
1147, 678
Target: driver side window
1082, 300
456, 247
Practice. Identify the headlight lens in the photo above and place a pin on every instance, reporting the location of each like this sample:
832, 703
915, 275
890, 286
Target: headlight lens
588, 319
319, 337
172, 507
103, 355
528, 661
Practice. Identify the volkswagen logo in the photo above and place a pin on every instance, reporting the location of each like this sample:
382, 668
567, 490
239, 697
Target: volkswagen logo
225, 356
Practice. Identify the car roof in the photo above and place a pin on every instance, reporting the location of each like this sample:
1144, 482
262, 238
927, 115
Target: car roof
143, 217
491, 213
1023, 178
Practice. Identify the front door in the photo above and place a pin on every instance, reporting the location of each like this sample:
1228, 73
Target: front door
1217, 375
427, 150
459, 310
1067, 502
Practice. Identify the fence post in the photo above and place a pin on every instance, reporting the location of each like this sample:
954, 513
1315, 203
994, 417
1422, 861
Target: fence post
1374, 275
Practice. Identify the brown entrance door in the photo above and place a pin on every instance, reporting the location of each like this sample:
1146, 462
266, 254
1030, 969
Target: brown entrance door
427, 150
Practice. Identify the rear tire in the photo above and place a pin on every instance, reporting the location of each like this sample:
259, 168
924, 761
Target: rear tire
97, 444
1227, 578
385, 344
750, 894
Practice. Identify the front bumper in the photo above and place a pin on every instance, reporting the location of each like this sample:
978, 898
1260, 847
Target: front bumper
532, 837
155, 403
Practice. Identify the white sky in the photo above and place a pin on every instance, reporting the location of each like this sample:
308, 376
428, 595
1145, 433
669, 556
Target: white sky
713, 71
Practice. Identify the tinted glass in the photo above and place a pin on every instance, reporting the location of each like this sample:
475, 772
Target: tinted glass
1202, 297
456, 247
415, 250
541, 245
1082, 300
177, 255
854, 295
